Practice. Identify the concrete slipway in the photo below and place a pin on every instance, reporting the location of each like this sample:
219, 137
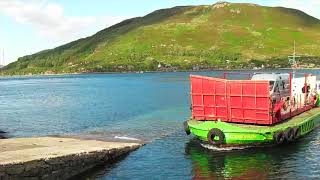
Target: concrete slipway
55, 157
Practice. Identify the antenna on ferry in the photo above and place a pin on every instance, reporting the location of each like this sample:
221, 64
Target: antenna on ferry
292, 59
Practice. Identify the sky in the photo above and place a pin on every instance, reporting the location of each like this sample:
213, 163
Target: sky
29, 26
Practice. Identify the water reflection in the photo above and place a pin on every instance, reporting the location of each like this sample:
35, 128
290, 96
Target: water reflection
253, 163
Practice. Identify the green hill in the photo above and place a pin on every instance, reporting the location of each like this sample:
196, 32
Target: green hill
223, 35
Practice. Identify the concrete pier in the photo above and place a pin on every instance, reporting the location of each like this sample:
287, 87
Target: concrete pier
55, 157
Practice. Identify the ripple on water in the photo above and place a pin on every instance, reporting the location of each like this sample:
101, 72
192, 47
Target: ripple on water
215, 148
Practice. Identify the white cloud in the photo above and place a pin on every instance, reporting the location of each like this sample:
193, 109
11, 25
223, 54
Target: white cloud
311, 7
50, 21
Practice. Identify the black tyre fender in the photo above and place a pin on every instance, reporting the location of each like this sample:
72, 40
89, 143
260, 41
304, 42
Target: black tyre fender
296, 132
215, 133
289, 135
279, 137
186, 128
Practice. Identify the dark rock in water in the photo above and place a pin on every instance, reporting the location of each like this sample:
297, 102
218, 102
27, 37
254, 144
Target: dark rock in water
3, 135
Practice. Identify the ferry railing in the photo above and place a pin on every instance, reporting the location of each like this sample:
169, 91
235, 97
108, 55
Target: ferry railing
299, 105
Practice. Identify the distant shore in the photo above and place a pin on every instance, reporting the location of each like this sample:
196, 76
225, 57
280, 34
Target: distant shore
141, 72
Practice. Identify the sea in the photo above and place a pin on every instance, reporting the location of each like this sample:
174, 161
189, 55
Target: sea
148, 107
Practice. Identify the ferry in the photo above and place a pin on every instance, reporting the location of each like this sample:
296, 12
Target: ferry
264, 109
267, 109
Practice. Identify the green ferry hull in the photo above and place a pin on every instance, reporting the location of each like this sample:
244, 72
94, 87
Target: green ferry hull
246, 135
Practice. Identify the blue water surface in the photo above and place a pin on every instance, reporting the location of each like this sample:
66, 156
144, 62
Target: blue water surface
150, 107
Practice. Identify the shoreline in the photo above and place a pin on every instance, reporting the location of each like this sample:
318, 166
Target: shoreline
142, 72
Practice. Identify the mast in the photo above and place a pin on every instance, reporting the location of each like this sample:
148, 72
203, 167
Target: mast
292, 59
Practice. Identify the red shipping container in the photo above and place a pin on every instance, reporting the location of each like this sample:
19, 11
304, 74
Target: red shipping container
238, 101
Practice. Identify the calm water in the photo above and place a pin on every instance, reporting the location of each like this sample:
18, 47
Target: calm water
149, 107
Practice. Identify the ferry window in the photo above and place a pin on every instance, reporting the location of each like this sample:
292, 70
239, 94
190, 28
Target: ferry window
276, 87
283, 85
271, 83
308, 89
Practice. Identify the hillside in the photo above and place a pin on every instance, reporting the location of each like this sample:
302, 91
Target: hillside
223, 35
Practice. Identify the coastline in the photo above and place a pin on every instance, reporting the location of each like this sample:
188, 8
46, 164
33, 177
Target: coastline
142, 72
